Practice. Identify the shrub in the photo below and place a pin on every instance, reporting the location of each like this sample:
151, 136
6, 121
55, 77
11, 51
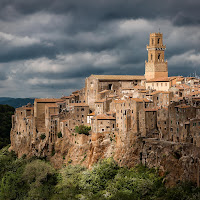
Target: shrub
59, 134
82, 129
42, 136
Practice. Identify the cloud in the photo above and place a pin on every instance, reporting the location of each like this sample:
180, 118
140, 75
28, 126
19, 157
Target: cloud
49, 47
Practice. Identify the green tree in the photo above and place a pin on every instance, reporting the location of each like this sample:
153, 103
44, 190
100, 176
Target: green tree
6, 113
82, 129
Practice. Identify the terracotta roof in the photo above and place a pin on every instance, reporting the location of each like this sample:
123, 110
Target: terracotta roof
91, 114
112, 95
140, 100
100, 101
163, 79
75, 92
118, 77
119, 101
143, 91
103, 117
78, 104
47, 100
104, 91
139, 87
183, 106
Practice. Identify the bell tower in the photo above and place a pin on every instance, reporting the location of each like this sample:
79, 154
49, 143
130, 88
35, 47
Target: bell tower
156, 66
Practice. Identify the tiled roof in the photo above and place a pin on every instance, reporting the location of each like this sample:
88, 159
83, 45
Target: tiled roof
118, 77
100, 101
183, 106
164, 79
119, 101
104, 91
78, 104
139, 87
103, 117
91, 114
140, 100
47, 100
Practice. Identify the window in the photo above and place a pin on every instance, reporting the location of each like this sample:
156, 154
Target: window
158, 40
102, 129
151, 57
82, 109
152, 41
110, 86
159, 56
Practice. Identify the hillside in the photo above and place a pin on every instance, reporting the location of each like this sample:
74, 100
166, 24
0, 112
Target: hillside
36, 179
5, 124
15, 102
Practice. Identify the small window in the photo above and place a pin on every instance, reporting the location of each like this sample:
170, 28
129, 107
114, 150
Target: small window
159, 56
158, 40
110, 86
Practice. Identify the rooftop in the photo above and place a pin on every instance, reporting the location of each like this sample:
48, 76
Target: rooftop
118, 77
103, 117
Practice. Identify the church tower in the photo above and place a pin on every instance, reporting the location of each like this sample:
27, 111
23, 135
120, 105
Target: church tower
156, 66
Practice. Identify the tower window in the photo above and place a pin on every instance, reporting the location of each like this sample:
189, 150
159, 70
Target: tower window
159, 56
151, 56
152, 41
158, 40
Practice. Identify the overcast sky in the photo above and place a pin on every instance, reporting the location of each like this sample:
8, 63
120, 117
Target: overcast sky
48, 47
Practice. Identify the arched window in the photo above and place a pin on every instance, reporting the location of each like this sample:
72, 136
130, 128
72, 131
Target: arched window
158, 40
152, 41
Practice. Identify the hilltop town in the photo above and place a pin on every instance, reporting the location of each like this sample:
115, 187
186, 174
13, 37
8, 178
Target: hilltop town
153, 119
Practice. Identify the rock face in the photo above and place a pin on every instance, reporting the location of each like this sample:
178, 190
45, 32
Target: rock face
177, 161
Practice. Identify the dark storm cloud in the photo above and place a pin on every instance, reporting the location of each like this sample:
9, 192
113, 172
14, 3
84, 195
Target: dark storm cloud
52, 45
88, 11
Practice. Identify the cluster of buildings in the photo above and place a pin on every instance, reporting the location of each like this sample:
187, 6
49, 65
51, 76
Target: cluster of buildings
153, 105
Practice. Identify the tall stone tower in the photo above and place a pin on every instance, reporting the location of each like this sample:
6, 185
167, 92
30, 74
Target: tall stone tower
156, 66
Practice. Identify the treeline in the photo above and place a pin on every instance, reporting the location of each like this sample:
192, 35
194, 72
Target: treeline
31, 179
6, 112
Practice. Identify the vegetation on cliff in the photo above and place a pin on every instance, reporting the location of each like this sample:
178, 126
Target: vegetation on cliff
82, 129
5, 124
27, 179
